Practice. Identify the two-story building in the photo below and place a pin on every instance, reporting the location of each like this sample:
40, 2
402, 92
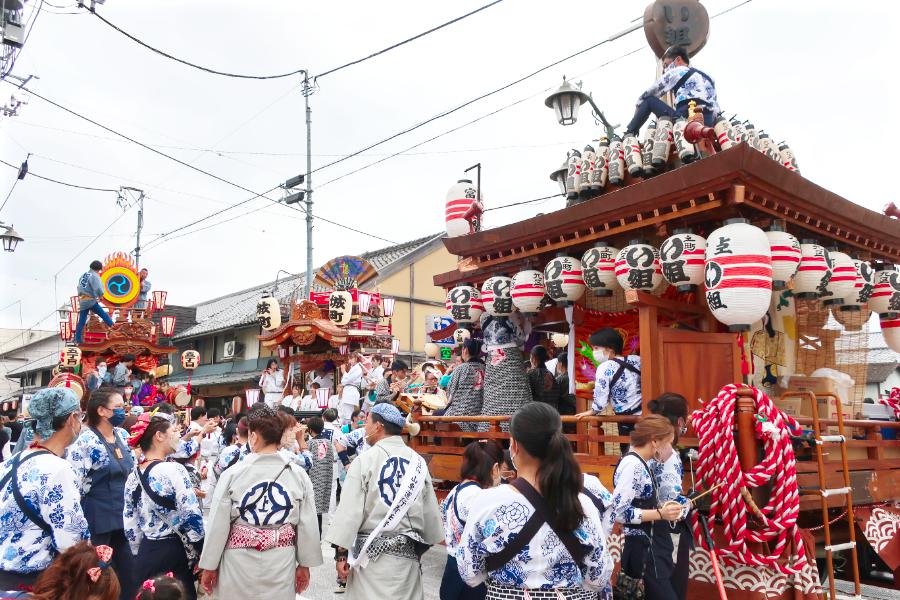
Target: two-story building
27, 356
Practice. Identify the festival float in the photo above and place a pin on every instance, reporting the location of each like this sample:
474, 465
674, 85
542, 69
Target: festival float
744, 287
138, 331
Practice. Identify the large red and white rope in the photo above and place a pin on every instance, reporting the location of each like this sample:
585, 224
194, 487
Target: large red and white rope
718, 462
893, 402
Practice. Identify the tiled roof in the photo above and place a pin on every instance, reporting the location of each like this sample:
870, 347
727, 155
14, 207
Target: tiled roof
239, 309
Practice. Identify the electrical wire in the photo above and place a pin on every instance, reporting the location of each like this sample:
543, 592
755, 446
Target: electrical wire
296, 71
523, 202
71, 185
9, 194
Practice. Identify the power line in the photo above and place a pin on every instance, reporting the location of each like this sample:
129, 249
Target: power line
523, 202
10, 193
72, 185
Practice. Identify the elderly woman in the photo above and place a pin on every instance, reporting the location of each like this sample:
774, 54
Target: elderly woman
263, 536
467, 385
39, 493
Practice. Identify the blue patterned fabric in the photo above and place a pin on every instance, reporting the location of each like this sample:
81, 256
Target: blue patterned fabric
227, 458
626, 395
696, 87
632, 482
669, 478
89, 454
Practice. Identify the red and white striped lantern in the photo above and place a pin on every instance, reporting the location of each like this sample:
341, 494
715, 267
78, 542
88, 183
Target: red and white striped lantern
862, 287
460, 199
599, 269
814, 268
738, 274
843, 278
885, 298
563, 280
638, 267
528, 290
785, 250
683, 258
890, 328
464, 304
496, 295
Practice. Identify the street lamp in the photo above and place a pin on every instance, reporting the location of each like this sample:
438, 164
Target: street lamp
559, 176
10, 238
566, 101
64, 313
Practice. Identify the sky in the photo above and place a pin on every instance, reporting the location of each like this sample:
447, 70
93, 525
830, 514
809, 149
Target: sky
816, 73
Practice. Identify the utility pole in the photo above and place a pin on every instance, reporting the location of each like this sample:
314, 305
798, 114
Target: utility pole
128, 197
307, 92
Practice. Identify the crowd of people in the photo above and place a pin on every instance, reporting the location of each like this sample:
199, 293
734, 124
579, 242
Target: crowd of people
148, 502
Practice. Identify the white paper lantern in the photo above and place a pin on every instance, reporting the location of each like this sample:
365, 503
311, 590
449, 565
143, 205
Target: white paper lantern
340, 307
890, 328
190, 360
461, 335
460, 199
683, 257
432, 350
885, 298
598, 267
862, 287
496, 295
785, 250
813, 270
464, 304
560, 340
268, 313
563, 280
638, 267
843, 278
738, 274
70, 356
364, 301
528, 290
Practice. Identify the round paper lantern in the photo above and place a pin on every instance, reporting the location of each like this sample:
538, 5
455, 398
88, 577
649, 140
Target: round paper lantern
460, 199
340, 307
560, 340
683, 257
465, 304
461, 335
890, 328
563, 279
638, 267
528, 290
813, 270
496, 295
70, 357
738, 274
190, 360
843, 278
885, 298
785, 250
431, 350
862, 287
598, 267
268, 313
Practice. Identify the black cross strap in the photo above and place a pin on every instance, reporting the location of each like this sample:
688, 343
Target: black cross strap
12, 478
623, 364
144, 484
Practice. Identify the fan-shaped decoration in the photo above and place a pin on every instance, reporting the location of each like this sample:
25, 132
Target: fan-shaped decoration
345, 272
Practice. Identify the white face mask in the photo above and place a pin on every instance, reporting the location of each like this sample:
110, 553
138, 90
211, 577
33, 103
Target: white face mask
602, 355
101, 369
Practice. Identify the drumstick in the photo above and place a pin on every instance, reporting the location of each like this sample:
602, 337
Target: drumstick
695, 498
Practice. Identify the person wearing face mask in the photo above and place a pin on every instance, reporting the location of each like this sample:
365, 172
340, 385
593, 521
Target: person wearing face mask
263, 536
163, 519
617, 379
686, 83
670, 475
39, 493
102, 460
538, 537
480, 470
388, 515
97, 378
647, 551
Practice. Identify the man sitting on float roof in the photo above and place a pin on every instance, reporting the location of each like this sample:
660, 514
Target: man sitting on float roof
686, 83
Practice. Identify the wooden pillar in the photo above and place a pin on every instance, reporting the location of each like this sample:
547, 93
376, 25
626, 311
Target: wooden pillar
747, 446
651, 367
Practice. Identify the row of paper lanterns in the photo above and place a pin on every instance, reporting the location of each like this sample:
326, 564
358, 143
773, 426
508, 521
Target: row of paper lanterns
739, 265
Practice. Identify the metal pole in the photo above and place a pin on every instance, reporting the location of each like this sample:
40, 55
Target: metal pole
140, 225
309, 205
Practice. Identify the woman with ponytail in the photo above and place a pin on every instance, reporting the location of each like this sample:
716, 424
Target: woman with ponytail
543, 509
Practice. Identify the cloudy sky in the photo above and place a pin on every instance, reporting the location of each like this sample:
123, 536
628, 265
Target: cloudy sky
815, 73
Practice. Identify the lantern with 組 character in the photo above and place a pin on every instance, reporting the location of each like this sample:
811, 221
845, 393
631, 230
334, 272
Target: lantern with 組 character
683, 257
885, 298
738, 274
785, 255
573, 174
268, 312
462, 208
638, 267
599, 269
615, 162
70, 357
464, 304
340, 307
461, 335
563, 280
890, 328
843, 278
813, 270
496, 296
528, 290
862, 287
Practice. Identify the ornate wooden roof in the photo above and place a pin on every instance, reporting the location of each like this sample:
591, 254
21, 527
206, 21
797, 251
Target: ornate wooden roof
124, 337
737, 182
306, 328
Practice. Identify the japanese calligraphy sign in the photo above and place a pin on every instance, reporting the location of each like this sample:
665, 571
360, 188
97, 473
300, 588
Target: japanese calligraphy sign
598, 267
862, 288
70, 357
676, 23
190, 359
682, 257
340, 307
268, 313
496, 295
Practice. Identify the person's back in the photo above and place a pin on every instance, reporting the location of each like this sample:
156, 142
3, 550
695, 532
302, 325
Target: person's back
90, 289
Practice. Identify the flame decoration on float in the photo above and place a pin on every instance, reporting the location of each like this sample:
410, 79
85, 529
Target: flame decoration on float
121, 282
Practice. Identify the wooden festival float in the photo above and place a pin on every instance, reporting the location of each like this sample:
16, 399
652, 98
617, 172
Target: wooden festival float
135, 331
735, 279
